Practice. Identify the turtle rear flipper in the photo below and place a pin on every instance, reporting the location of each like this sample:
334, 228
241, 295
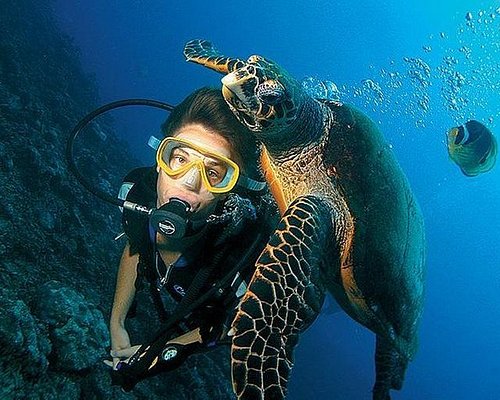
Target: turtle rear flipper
204, 53
390, 368
283, 298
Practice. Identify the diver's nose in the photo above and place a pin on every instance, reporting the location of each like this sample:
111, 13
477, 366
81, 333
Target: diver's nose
191, 179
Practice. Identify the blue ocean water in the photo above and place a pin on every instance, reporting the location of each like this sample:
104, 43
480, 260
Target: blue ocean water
417, 70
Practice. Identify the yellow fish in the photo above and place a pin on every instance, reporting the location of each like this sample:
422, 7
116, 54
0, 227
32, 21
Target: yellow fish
472, 147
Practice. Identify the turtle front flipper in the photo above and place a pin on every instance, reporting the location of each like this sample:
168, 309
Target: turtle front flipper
203, 52
284, 297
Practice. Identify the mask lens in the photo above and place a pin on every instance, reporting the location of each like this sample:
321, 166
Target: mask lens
177, 156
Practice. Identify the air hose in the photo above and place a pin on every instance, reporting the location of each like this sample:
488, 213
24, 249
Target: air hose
87, 120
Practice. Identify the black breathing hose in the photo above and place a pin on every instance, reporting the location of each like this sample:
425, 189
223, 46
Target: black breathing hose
89, 118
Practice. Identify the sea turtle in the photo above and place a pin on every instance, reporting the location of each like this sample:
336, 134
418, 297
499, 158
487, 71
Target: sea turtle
350, 225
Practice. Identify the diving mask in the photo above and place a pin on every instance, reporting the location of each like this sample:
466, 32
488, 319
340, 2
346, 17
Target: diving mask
176, 156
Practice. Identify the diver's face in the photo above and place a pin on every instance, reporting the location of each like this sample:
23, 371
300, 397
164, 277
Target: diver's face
189, 186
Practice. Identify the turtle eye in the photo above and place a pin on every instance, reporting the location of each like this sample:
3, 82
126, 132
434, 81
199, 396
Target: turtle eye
250, 70
270, 92
254, 59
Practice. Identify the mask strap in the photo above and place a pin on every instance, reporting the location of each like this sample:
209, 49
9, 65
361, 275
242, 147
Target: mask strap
251, 184
154, 142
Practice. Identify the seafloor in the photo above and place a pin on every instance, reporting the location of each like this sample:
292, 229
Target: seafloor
58, 259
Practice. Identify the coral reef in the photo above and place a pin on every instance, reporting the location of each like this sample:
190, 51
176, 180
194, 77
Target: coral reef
58, 258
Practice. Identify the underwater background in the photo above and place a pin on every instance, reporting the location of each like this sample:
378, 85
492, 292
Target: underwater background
417, 70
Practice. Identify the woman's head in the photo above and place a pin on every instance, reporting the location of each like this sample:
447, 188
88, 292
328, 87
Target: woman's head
208, 108
207, 126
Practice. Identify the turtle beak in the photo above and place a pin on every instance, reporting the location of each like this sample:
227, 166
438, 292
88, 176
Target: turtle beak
241, 84
238, 92
231, 86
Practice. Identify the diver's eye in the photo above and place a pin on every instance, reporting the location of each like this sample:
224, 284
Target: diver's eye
213, 173
178, 158
177, 162
214, 176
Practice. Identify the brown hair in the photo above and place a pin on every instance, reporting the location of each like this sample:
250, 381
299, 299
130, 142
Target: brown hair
207, 107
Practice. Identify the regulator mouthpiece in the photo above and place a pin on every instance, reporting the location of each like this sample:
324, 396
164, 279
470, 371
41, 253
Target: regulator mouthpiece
172, 219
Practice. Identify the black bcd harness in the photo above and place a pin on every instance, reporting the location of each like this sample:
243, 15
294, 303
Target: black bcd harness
173, 343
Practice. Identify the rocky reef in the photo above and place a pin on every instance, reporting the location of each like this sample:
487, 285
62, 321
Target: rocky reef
58, 259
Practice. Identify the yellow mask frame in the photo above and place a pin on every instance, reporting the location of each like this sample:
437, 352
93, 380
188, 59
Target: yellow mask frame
169, 144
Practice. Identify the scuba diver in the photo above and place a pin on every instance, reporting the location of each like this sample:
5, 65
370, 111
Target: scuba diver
212, 216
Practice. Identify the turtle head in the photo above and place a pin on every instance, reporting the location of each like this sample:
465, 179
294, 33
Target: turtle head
263, 96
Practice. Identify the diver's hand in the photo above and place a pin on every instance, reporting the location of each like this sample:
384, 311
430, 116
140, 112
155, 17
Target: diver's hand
120, 342
122, 355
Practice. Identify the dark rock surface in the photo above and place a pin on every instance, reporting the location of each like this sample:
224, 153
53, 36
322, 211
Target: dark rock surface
58, 259
77, 329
